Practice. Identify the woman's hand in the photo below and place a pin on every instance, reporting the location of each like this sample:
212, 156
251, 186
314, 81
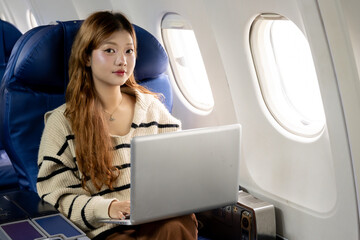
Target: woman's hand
118, 209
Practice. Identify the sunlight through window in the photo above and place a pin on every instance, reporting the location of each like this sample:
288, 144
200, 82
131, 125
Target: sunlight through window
287, 75
186, 62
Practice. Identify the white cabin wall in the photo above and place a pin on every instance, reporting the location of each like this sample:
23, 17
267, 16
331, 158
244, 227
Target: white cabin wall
352, 18
328, 37
48, 11
310, 181
344, 44
15, 12
84, 8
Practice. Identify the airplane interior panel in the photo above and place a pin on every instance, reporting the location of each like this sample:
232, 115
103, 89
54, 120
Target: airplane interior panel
287, 71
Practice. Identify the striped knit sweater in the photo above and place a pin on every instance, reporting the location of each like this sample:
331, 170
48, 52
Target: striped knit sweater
59, 179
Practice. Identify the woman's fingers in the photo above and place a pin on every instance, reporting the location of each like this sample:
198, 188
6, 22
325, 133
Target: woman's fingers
119, 209
121, 215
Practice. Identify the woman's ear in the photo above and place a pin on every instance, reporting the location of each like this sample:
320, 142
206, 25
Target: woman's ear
88, 62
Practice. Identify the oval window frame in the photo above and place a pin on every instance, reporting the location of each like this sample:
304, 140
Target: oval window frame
191, 87
271, 85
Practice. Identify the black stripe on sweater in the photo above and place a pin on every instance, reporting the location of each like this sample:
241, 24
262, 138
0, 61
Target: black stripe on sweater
75, 186
65, 145
43, 196
58, 203
88, 225
52, 159
118, 189
123, 166
124, 145
71, 206
59, 171
159, 125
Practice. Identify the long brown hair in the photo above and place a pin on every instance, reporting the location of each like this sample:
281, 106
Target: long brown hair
94, 148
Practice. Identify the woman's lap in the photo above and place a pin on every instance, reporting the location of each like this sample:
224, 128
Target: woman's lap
178, 228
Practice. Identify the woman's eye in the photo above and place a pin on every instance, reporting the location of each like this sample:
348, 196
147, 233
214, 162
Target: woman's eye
130, 51
109, 50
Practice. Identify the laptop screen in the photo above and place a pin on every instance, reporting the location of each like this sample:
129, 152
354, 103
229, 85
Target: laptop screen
177, 173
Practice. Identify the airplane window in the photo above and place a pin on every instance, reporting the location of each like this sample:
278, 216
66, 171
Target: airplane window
31, 20
186, 61
286, 74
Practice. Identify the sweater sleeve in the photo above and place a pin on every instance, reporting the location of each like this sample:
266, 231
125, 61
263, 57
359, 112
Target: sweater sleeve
59, 181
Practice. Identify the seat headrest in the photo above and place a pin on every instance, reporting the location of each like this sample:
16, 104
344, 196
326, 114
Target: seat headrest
48, 50
152, 59
9, 34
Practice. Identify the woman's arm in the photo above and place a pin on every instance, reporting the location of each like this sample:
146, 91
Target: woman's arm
59, 179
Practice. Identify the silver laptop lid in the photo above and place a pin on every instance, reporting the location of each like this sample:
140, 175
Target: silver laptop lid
177, 173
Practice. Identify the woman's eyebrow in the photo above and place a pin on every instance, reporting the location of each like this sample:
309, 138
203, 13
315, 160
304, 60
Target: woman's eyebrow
114, 43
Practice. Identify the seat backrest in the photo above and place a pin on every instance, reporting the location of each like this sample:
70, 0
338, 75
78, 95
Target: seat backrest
35, 82
9, 34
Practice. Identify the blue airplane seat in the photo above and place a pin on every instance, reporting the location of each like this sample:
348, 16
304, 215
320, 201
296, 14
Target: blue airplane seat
151, 64
9, 34
35, 82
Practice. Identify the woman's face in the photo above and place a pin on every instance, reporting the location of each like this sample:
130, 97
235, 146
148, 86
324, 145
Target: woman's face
113, 62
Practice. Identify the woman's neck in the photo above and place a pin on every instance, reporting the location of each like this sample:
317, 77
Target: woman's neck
111, 99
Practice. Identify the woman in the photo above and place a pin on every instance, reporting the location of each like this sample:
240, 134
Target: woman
84, 155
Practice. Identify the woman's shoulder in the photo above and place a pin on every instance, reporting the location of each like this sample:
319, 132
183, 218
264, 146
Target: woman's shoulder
56, 124
149, 107
142, 99
157, 110
149, 104
57, 112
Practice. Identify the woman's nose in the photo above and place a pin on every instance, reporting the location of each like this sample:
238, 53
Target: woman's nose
120, 59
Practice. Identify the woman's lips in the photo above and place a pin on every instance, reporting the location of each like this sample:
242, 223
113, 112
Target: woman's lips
120, 72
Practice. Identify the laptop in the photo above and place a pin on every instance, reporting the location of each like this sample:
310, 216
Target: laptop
178, 173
